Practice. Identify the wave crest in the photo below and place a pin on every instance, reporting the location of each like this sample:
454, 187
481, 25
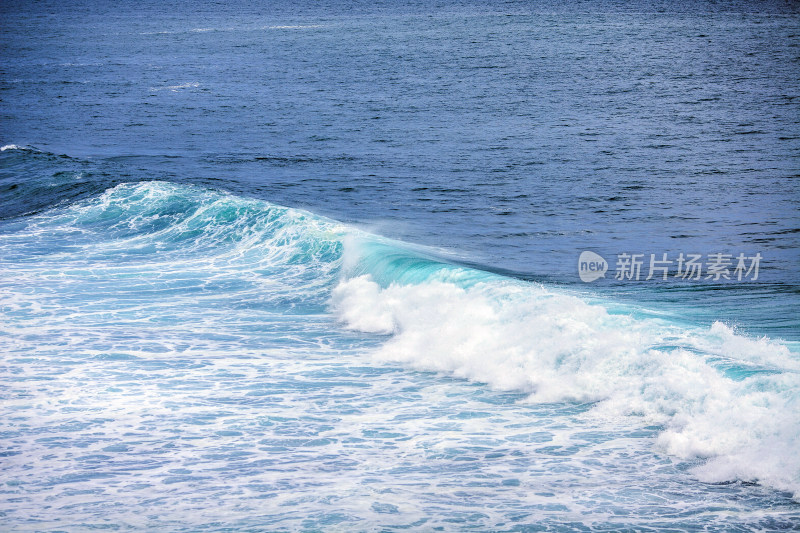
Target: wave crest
723, 399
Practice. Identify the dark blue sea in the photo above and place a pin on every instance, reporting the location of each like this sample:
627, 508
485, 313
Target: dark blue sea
399, 266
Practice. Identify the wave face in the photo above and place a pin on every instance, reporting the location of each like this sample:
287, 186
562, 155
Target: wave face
166, 341
727, 399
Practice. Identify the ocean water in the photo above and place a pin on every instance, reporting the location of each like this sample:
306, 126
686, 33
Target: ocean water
315, 267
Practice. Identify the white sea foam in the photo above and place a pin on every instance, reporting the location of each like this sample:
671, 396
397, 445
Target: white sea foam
519, 336
294, 27
176, 88
11, 147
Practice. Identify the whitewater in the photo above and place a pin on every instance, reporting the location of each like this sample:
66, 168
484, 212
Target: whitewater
196, 353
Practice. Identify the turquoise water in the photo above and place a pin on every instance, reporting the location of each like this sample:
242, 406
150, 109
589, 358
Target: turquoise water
315, 267
176, 358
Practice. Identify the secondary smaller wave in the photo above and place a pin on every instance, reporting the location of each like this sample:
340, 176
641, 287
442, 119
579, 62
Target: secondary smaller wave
12, 147
32, 180
176, 88
294, 27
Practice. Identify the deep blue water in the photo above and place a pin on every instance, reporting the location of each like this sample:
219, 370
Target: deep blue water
315, 267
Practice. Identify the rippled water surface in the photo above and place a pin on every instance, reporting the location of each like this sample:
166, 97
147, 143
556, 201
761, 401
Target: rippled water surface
315, 267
